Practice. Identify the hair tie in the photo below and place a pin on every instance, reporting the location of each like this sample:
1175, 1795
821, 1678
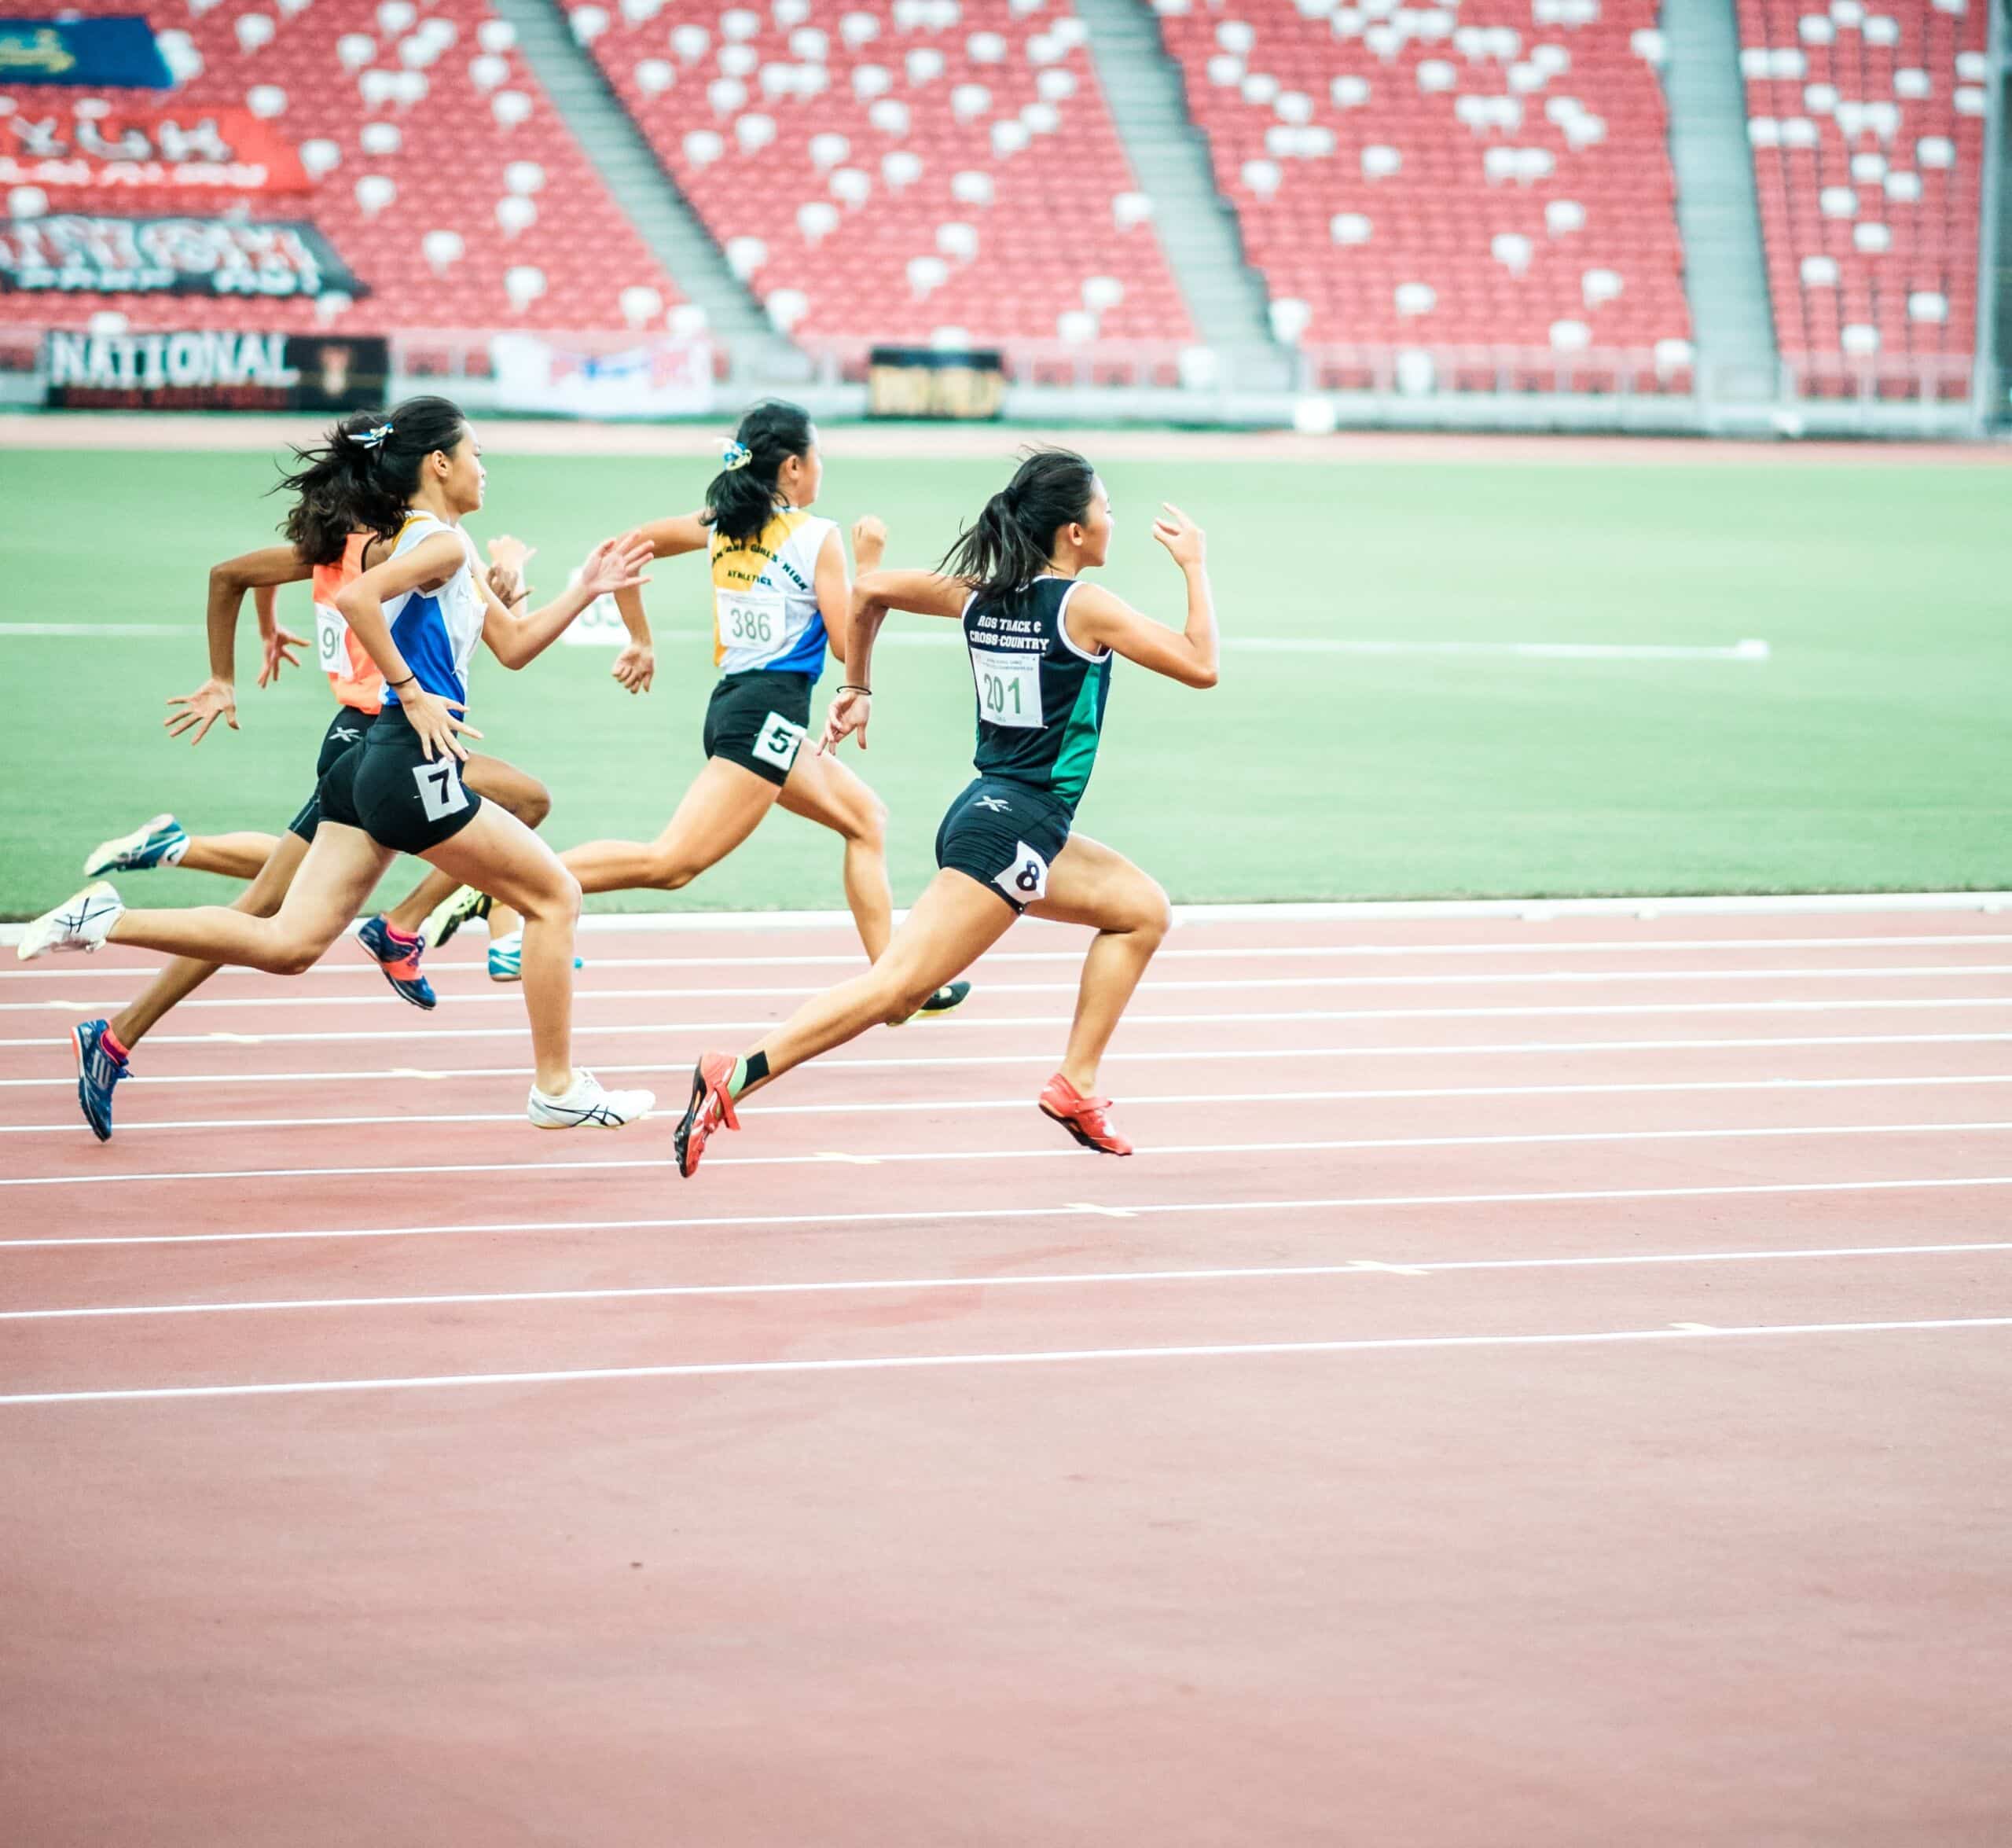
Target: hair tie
370, 438
735, 454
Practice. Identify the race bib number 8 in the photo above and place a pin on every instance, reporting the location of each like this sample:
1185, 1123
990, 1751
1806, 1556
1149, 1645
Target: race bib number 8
778, 741
440, 791
1027, 879
1008, 688
331, 640
750, 619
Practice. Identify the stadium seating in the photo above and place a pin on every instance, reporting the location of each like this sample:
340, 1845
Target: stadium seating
446, 179
1866, 123
894, 171
1478, 173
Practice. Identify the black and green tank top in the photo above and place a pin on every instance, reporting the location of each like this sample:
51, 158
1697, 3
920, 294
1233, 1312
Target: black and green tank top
1040, 698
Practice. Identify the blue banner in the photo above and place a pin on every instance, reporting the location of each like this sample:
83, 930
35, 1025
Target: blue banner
118, 53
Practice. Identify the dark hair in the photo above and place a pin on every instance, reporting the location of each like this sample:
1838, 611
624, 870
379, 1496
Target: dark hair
742, 499
362, 478
1014, 539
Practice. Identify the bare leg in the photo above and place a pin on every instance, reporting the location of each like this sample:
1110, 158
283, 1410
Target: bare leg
334, 880
181, 978
497, 853
1090, 883
724, 805
235, 856
953, 923
494, 780
823, 790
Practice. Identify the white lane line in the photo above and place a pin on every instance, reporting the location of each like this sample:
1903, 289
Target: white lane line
1047, 1357
1744, 1132
977, 1023
1062, 1279
381, 996
877, 1106
1070, 1210
453, 963
838, 1063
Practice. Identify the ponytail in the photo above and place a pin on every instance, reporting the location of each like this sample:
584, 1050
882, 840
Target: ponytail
362, 478
1014, 538
744, 496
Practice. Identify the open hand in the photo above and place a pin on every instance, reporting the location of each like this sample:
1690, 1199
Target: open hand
849, 713
213, 701
615, 564
433, 718
278, 645
635, 666
1182, 537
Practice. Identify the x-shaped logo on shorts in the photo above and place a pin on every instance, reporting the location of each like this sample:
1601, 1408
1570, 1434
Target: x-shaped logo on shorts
997, 804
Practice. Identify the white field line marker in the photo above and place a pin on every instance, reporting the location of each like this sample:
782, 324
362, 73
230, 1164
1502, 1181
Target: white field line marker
1060, 1280
687, 1029
1051, 1357
452, 963
1071, 1209
872, 1107
838, 1063
1742, 1133
492, 997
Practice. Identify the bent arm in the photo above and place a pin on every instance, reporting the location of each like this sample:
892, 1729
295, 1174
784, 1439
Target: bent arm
427, 566
926, 593
517, 642
1099, 619
263, 571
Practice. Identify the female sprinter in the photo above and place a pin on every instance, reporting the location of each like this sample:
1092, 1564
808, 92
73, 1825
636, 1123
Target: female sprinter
780, 596
104, 1047
1040, 642
418, 608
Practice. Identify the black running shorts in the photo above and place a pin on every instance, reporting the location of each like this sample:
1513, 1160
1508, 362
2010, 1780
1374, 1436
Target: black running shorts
347, 729
759, 720
1005, 836
388, 787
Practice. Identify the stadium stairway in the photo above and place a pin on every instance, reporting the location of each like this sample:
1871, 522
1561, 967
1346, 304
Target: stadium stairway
645, 193
1225, 296
1717, 210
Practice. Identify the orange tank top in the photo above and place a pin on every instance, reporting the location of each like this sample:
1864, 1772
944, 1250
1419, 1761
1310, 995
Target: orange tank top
353, 676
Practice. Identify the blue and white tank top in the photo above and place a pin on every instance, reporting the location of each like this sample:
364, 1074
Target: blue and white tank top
765, 597
436, 631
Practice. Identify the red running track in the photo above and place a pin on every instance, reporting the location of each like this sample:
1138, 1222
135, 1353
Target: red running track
1540, 1382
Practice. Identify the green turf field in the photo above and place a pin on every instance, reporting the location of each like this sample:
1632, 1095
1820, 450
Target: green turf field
1870, 751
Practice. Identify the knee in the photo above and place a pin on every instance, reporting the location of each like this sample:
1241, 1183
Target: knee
667, 875
900, 995
532, 808
295, 955
871, 825
1153, 916
561, 903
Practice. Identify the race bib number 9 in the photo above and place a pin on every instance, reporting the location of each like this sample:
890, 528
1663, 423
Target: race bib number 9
331, 640
1008, 689
750, 619
440, 792
1027, 879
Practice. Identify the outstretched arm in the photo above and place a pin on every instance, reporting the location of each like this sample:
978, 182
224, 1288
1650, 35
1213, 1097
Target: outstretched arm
1099, 619
834, 588
926, 593
635, 666
217, 697
516, 642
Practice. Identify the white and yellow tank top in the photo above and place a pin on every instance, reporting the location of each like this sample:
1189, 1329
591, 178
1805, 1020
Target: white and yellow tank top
765, 597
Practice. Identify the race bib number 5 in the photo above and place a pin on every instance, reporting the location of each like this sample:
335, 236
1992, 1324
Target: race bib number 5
331, 640
1008, 688
1027, 879
750, 619
778, 741
440, 792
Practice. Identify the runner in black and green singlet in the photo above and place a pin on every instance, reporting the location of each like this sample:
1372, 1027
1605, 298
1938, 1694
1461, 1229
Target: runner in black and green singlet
1040, 642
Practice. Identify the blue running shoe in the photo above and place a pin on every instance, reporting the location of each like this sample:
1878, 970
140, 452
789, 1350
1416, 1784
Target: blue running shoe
161, 842
398, 957
99, 1069
506, 958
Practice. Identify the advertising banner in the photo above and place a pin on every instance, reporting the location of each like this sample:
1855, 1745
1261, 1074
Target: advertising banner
216, 371
651, 378
231, 149
118, 52
69, 253
925, 382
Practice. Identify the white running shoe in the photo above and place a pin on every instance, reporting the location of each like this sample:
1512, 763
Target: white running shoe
454, 911
80, 923
161, 842
585, 1105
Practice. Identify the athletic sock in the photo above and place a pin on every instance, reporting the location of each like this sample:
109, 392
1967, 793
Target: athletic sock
749, 1071
109, 1040
397, 935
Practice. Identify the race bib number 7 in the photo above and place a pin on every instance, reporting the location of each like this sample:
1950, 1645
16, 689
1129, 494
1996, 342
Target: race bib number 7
440, 792
331, 640
1008, 688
